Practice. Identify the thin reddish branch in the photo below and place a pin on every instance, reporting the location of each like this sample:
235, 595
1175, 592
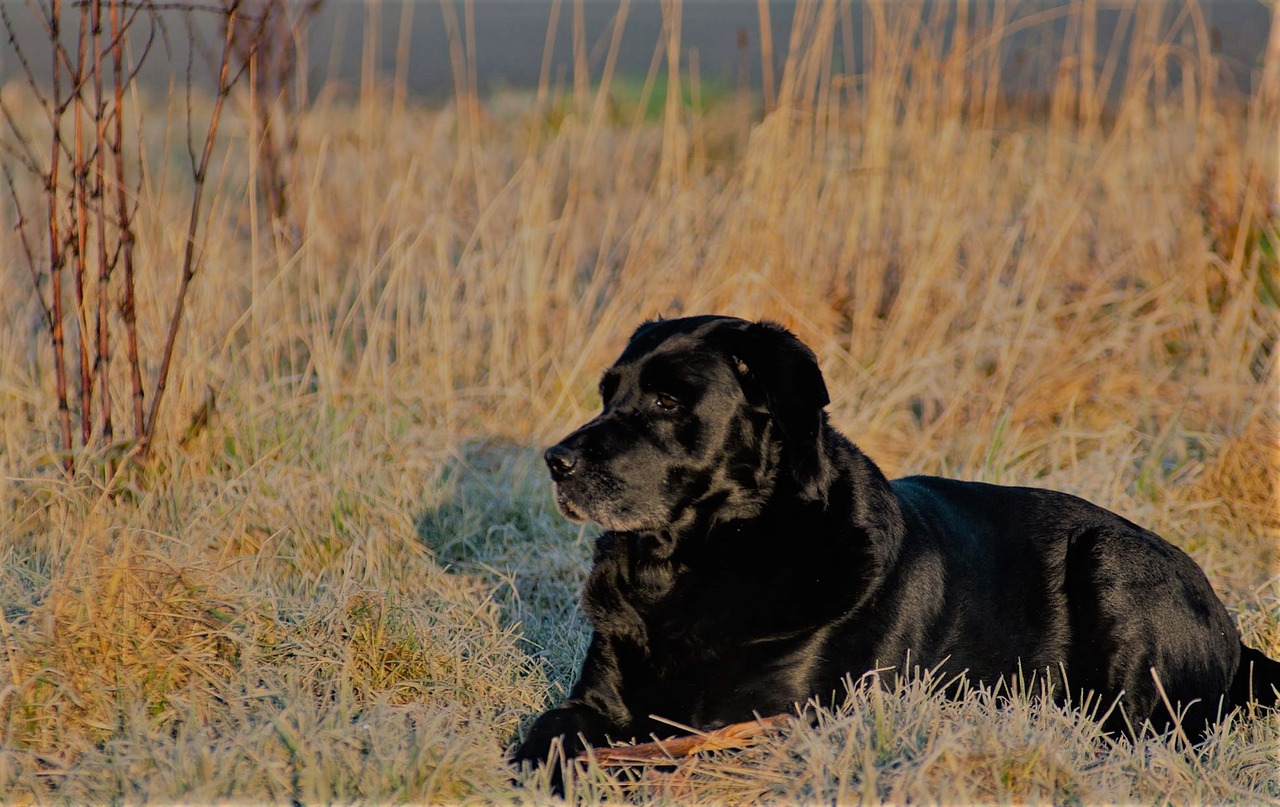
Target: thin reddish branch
90, 230
79, 212
732, 736
193, 224
124, 221
99, 185
20, 227
266, 44
56, 255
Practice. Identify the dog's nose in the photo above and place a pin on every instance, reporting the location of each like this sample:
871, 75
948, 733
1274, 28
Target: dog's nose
561, 460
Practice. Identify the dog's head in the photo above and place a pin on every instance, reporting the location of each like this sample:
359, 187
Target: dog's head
703, 417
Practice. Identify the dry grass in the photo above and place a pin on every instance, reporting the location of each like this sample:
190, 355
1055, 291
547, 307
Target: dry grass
351, 584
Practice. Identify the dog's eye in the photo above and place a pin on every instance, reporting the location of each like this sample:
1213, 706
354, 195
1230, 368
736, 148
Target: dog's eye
665, 402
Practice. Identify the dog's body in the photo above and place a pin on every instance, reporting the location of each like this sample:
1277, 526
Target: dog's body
754, 559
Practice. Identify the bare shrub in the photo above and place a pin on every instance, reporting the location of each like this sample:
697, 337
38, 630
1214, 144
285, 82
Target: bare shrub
89, 181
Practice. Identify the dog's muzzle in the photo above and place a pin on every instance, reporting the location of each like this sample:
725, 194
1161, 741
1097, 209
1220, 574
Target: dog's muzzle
562, 461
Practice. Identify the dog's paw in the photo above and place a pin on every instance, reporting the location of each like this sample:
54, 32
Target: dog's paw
554, 741
555, 736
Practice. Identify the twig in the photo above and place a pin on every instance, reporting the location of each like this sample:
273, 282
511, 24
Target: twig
56, 254
266, 44
193, 224
79, 209
20, 227
90, 230
102, 367
24, 151
766, 56
732, 736
124, 221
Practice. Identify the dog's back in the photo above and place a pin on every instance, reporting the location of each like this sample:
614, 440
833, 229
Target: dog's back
1051, 583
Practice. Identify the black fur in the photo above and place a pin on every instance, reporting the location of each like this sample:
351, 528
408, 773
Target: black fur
754, 557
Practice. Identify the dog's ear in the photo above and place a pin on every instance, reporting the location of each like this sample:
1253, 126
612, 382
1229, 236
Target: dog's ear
777, 369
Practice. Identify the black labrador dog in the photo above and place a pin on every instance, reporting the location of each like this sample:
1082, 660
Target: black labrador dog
753, 558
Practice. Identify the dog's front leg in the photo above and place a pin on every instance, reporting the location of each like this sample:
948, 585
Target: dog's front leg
593, 713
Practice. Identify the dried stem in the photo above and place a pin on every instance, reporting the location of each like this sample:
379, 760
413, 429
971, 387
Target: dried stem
91, 212
103, 362
20, 226
124, 221
266, 43
80, 225
56, 255
193, 225
766, 56
732, 736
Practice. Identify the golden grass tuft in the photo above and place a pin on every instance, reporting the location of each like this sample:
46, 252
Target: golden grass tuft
1241, 477
347, 581
119, 632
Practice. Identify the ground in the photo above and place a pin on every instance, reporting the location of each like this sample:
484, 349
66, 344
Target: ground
347, 581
